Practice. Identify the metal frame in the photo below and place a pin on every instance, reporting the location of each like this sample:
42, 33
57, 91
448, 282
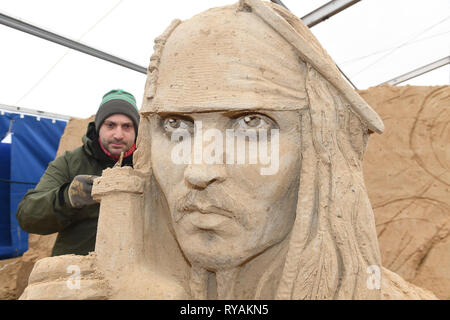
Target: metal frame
315, 17
326, 11
418, 72
72, 44
280, 3
37, 113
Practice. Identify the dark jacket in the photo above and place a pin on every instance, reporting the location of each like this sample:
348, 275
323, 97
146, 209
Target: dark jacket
47, 209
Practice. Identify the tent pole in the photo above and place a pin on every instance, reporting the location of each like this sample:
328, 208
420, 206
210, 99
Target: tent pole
418, 72
72, 44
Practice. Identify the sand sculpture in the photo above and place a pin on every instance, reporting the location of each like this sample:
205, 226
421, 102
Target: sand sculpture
203, 231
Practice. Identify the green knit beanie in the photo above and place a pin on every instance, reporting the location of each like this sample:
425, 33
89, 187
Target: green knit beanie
114, 102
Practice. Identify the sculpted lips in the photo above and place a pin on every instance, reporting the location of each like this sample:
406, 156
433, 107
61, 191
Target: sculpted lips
205, 217
206, 209
208, 220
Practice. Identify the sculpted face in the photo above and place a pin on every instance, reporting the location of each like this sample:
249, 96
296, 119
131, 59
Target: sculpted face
223, 214
236, 68
117, 133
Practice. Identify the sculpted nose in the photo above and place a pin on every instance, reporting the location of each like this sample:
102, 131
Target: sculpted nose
201, 176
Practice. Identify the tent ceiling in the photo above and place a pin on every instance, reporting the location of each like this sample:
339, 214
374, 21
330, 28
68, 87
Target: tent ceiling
372, 42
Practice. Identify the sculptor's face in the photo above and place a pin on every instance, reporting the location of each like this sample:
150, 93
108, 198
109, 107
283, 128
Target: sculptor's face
224, 214
117, 133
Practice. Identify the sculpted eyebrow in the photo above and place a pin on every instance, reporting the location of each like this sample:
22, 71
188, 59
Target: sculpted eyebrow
234, 113
175, 115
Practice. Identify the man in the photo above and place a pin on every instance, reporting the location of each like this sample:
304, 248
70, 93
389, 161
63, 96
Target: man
62, 202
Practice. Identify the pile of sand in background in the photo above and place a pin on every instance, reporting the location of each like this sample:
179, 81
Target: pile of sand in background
407, 175
408, 180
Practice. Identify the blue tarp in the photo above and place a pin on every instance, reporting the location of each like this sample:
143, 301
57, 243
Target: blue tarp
34, 144
5, 168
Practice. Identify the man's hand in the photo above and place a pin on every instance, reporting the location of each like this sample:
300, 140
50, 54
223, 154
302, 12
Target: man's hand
80, 191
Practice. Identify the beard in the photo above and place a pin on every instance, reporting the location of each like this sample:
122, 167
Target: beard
109, 145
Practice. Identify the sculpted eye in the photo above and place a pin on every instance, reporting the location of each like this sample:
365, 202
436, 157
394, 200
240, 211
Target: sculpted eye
253, 121
171, 124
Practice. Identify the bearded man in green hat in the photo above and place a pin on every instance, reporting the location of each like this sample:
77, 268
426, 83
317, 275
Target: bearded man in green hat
62, 202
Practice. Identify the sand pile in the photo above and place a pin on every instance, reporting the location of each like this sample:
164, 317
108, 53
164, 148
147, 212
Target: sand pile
408, 180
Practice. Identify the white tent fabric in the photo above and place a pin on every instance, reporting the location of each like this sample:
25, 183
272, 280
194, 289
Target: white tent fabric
373, 41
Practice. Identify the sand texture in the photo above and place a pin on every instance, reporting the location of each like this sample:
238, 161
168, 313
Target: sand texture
408, 180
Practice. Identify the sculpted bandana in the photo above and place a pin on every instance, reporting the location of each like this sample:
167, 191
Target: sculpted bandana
253, 60
239, 64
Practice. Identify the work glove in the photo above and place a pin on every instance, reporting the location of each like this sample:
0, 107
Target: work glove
80, 191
